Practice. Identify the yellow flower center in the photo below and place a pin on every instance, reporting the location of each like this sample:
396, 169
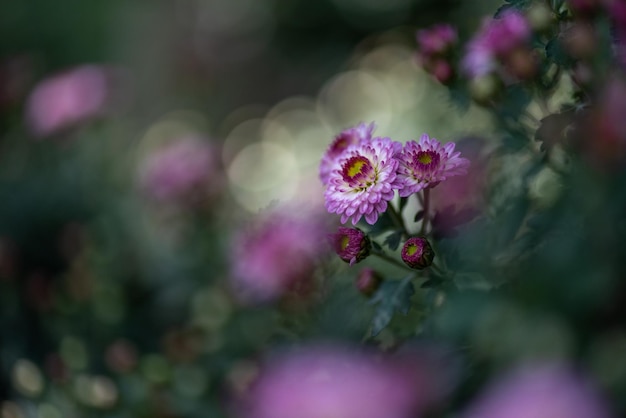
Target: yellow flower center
411, 249
344, 242
425, 158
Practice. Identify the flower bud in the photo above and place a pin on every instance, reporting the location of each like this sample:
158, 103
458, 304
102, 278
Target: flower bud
351, 244
417, 253
368, 281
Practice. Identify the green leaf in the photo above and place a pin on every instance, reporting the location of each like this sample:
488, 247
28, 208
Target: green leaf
383, 224
557, 54
393, 240
391, 297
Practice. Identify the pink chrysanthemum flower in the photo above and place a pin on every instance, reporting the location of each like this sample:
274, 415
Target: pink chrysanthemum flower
67, 99
364, 182
437, 39
182, 170
276, 255
426, 163
333, 382
351, 136
497, 38
540, 391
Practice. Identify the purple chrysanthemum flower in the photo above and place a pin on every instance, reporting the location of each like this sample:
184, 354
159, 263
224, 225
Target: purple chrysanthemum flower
276, 255
538, 392
364, 181
496, 38
333, 382
182, 170
426, 163
351, 136
67, 99
437, 39
351, 244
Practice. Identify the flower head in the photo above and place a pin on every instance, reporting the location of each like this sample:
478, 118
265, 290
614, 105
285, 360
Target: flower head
417, 253
426, 163
538, 392
67, 99
437, 39
351, 136
351, 244
276, 255
364, 181
178, 171
495, 41
333, 382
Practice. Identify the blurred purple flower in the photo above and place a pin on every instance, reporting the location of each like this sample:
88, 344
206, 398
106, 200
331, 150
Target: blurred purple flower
365, 181
351, 136
539, 392
333, 382
425, 163
183, 170
67, 99
497, 38
276, 255
437, 39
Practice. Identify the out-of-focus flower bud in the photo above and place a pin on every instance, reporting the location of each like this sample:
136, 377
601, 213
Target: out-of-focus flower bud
368, 281
417, 253
351, 244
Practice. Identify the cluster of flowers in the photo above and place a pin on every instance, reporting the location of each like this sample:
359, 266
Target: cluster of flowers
362, 172
435, 47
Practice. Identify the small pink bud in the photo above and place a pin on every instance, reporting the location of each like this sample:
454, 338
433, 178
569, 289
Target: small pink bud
417, 253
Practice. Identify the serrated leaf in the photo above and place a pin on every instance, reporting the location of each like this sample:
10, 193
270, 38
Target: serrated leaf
393, 240
391, 297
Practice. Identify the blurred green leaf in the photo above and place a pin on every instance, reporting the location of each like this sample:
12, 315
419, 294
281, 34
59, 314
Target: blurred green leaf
391, 297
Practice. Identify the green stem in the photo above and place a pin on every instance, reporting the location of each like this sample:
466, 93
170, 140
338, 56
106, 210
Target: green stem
438, 269
397, 219
391, 260
426, 208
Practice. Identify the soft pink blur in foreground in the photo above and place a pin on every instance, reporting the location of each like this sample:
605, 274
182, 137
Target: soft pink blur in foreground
539, 392
329, 382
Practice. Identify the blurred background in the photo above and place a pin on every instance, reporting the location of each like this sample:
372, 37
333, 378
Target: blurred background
137, 138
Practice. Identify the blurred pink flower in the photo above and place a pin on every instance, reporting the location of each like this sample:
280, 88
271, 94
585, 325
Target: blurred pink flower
277, 254
67, 99
539, 392
496, 39
365, 181
351, 136
464, 191
437, 39
181, 171
332, 382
